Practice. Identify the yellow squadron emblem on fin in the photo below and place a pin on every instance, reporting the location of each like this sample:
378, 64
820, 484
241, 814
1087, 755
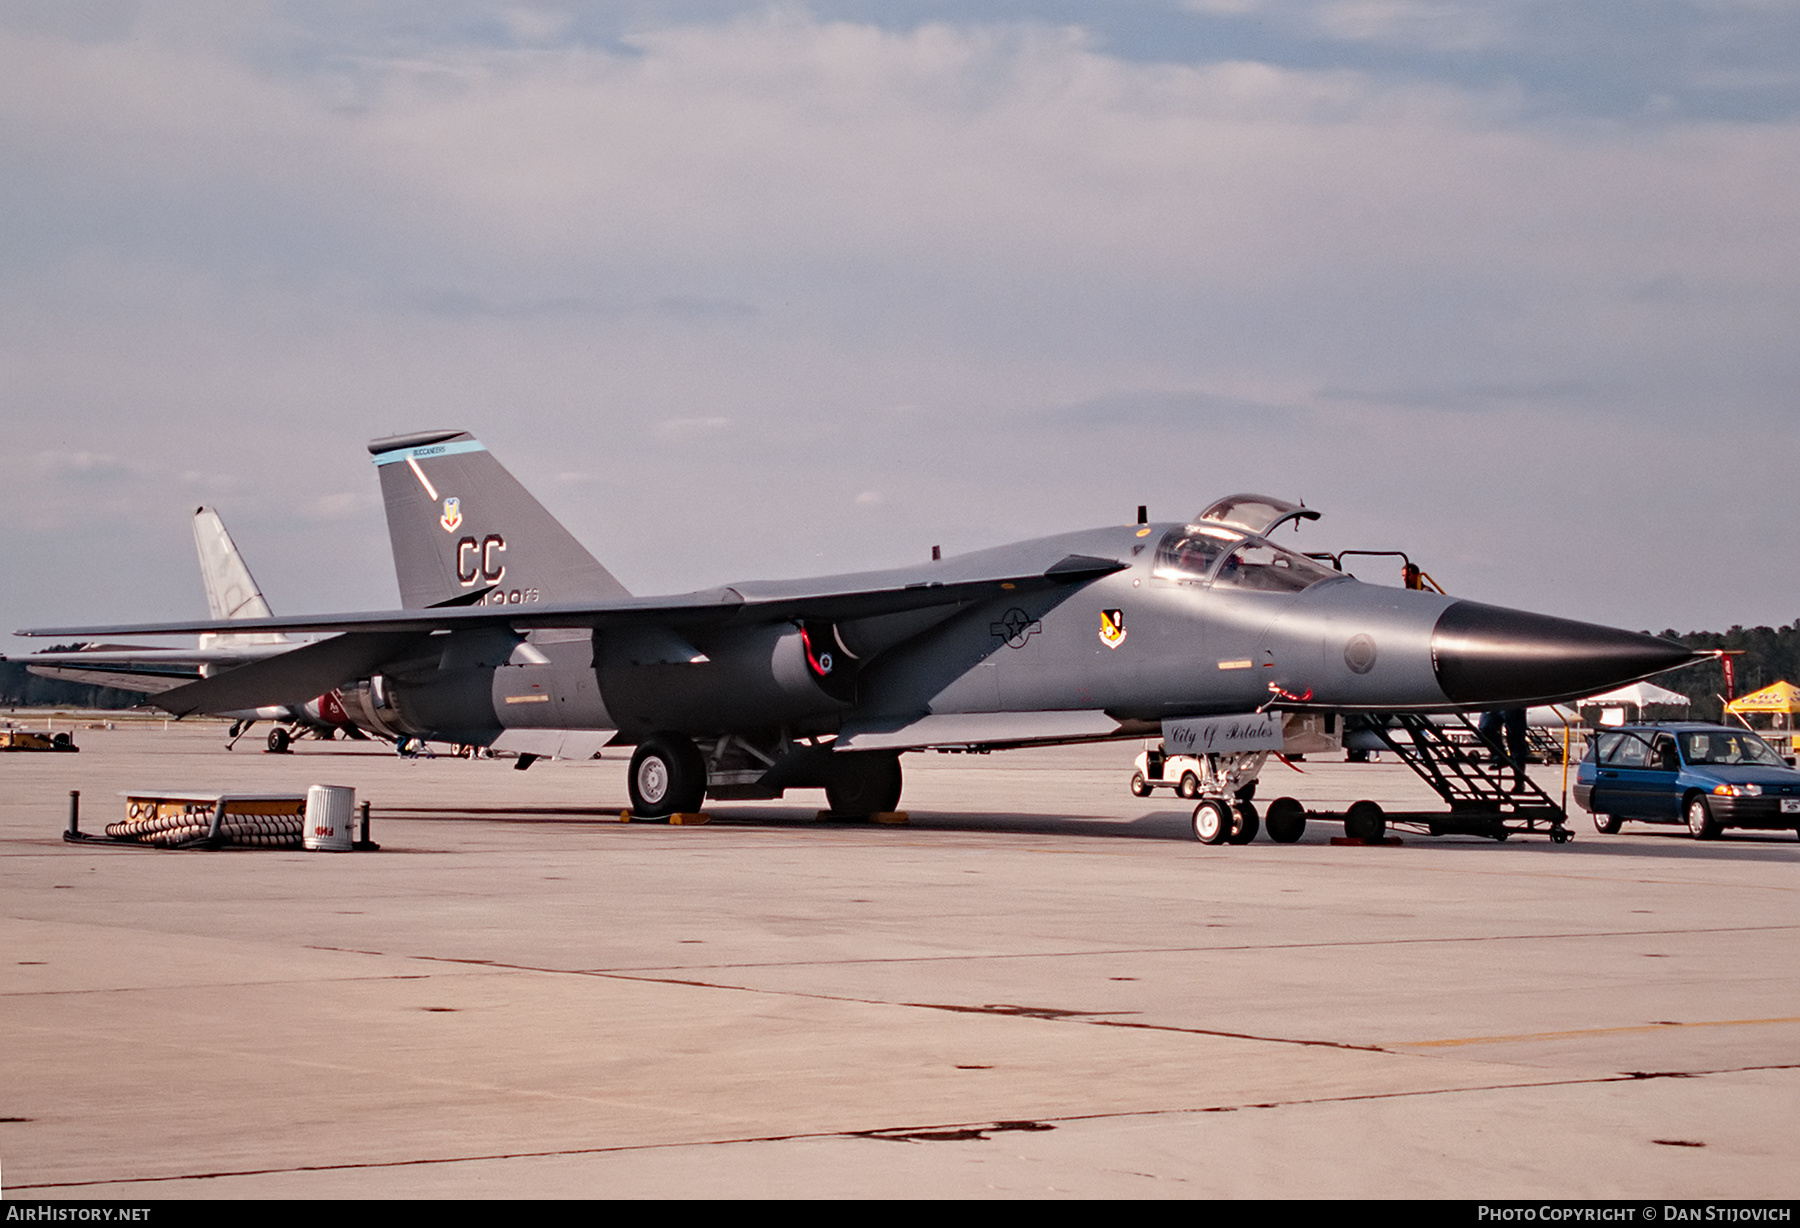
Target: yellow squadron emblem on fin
452, 517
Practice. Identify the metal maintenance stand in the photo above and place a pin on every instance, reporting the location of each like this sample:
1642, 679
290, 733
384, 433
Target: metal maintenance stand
1482, 801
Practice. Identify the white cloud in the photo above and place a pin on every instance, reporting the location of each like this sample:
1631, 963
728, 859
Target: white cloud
1441, 25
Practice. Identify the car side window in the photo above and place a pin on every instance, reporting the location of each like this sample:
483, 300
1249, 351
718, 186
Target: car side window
1630, 751
1662, 755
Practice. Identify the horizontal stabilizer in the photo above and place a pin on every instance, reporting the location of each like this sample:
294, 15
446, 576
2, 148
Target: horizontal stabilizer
293, 677
148, 671
145, 680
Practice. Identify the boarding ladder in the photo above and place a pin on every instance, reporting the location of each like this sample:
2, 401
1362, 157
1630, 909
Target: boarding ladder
1481, 796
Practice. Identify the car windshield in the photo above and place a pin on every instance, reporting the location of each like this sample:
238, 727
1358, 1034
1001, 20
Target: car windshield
1728, 746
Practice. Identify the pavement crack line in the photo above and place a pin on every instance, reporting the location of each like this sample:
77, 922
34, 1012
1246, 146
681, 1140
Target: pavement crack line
1047, 1014
1101, 1018
972, 1131
1109, 952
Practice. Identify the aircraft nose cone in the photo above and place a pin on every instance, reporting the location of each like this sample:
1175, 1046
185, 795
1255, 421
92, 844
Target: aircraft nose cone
1485, 654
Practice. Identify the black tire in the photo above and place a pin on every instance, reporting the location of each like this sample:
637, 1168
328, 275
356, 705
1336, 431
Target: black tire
1286, 820
1244, 824
1189, 787
278, 741
864, 784
1139, 786
668, 776
1700, 822
1364, 821
1607, 824
1212, 822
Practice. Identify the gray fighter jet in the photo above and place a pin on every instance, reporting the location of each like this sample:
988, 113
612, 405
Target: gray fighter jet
514, 636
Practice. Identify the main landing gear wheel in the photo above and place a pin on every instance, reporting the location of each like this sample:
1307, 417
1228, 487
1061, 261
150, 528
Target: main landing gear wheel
278, 741
1364, 821
1606, 824
1212, 822
1244, 825
1699, 819
1189, 787
1286, 820
668, 776
1139, 786
864, 783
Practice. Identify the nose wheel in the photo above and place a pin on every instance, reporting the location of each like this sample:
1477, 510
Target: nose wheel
1225, 814
1212, 822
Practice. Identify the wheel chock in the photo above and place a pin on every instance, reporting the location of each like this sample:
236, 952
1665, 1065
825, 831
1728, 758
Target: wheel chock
891, 817
695, 818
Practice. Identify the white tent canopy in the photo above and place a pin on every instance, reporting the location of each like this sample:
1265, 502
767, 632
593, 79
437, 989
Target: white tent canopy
1639, 693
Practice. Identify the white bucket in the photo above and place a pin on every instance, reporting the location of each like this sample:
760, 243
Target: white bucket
330, 818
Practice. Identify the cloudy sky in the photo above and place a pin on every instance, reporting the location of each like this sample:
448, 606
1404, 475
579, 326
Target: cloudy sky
747, 290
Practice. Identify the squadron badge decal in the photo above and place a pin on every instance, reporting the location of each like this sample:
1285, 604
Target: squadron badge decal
1112, 627
452, 517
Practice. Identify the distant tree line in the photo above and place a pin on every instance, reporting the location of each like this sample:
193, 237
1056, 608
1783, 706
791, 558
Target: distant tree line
1769, 654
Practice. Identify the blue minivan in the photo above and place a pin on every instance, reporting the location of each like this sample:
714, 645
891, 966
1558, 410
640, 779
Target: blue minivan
1707, 776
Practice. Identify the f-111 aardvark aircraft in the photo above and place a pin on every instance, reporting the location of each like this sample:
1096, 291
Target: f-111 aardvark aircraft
513, 635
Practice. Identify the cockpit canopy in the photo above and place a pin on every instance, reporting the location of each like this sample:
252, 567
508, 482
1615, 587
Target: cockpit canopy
1212, 553
1258, 514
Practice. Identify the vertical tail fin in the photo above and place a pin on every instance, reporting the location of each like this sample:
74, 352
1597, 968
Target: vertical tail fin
231, 591
460, 524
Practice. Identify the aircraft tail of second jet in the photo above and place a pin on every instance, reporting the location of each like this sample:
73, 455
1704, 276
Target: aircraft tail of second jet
463, 529
231, 590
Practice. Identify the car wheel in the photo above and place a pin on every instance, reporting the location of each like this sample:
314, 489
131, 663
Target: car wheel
1139, 786
668, 776
1699, 819
1189, 786
1212, 822
1364, 821
1244, 824
1607, 824
1286, 820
